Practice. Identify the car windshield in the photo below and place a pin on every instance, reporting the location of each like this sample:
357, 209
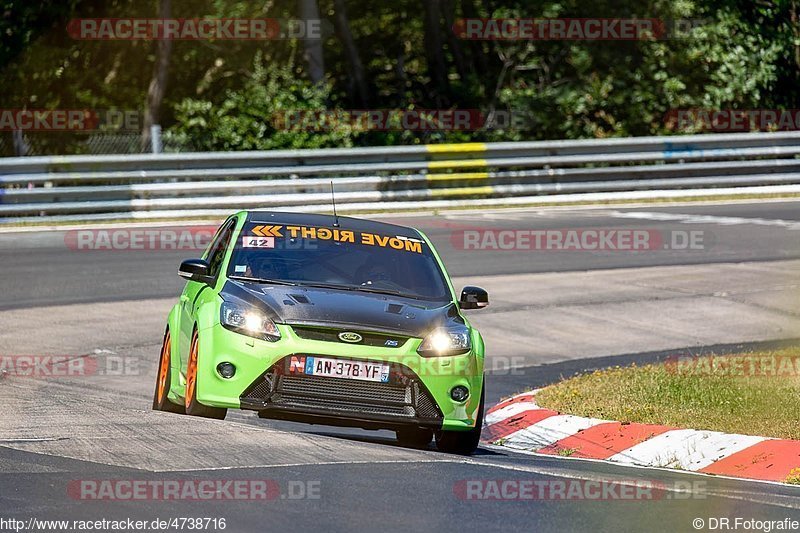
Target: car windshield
338, 258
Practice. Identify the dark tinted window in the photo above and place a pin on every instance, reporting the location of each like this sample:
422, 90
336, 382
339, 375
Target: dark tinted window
329, 256
216, 253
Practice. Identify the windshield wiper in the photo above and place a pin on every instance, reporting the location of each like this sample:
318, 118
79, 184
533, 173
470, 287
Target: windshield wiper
262, 280
365, 288
390, 292
351, 288
328, 286
362, 288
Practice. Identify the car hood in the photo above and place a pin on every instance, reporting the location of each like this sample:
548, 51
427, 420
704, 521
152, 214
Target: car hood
296, 305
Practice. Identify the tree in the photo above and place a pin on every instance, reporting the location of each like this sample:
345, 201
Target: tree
258, 116
158, 83
309, 10
434, 54
744, 55
355, 66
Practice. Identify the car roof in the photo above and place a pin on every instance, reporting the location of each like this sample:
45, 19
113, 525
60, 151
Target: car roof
345, 223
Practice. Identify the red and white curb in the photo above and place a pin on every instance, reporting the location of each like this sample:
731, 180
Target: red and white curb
518, 423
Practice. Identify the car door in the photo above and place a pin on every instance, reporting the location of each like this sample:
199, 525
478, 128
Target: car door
215, 256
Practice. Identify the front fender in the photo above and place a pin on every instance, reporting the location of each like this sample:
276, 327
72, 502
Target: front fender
207, 312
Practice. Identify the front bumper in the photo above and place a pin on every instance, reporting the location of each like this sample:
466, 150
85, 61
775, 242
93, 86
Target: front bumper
403, 400
418, 393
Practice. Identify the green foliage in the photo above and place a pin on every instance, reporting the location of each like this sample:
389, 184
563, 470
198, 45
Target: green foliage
223, 95
250, 118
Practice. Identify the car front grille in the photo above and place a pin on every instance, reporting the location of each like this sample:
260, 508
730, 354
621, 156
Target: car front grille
335, 388
315, 333
402, 397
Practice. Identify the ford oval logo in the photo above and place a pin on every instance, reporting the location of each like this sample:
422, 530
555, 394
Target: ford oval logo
349, 336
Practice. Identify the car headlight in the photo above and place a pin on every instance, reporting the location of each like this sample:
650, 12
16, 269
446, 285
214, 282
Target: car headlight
446, 341
248, 321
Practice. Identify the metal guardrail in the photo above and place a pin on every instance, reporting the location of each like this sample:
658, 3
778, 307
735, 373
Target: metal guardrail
384, 178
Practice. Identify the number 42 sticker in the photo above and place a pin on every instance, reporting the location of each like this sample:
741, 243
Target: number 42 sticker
258, 242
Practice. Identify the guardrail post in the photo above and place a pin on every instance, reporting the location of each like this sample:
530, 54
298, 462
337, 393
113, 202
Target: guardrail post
21, 147
155, 139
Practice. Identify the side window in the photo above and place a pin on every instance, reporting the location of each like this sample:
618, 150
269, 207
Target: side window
216, 254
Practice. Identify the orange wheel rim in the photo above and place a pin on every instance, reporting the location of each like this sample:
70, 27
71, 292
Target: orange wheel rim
191, 371
164, 368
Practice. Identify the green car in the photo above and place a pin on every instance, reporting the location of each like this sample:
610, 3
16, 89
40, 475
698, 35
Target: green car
338, 321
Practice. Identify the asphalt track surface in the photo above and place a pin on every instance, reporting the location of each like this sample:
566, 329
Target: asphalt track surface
553, 313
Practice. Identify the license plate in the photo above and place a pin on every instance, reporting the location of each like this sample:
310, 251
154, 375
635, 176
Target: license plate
341, 368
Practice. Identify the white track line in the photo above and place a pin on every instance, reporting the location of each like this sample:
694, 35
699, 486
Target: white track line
705, 219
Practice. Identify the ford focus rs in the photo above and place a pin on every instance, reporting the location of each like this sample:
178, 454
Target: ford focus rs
326, 320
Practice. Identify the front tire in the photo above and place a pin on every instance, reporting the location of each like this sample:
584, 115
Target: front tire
193, 407
161, 400
462, 442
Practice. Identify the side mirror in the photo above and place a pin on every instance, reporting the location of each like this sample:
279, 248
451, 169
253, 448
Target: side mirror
473, 298
196, 270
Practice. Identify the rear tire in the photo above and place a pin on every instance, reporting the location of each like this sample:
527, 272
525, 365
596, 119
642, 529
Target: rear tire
161, 400
462, 442
414, 437
193, 407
